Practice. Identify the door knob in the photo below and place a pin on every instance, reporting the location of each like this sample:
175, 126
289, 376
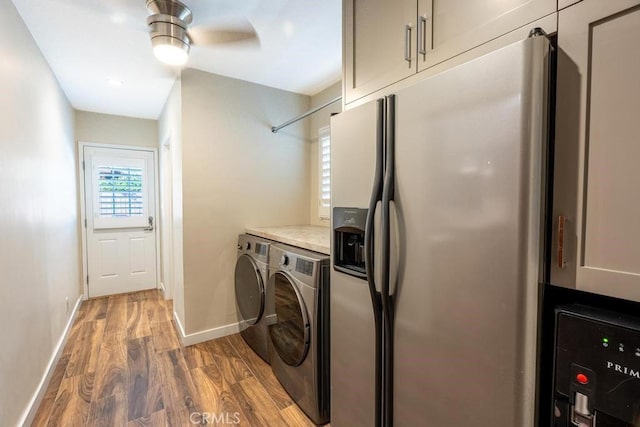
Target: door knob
150, 227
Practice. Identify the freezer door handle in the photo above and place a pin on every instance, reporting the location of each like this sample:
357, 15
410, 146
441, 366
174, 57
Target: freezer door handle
376, 196
369, 234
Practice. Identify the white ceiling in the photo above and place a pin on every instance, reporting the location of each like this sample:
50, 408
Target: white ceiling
89, 42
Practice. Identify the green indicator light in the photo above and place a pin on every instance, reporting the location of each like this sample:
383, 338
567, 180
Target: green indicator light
605, 340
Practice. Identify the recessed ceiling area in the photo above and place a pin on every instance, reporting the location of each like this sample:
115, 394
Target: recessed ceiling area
102, 56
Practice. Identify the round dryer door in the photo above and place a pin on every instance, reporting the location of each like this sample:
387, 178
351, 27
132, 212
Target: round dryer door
249, 290
290, 332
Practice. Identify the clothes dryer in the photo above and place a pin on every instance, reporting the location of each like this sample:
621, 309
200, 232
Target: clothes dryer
299, 333
251, 276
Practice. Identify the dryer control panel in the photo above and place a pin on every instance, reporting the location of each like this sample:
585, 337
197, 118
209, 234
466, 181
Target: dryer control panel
257, 247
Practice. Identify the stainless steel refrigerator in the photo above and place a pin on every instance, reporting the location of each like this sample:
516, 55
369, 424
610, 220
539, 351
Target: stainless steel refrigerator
438, 200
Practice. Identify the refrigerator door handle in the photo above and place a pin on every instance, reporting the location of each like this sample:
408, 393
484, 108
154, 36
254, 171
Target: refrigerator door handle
376, 196
369, 234
387, 302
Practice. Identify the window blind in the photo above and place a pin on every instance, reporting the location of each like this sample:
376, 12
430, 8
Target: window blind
324, 199
120, 191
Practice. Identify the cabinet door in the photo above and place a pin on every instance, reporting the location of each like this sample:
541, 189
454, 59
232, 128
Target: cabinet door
596, 187
450, 27
379, 44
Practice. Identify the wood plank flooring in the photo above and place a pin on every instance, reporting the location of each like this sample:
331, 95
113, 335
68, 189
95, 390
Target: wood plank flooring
123, 365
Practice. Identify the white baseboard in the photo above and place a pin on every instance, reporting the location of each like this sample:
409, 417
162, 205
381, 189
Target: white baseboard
29, 414
164, 291
206, 335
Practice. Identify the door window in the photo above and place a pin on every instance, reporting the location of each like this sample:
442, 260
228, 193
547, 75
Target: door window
120, 192
290, 332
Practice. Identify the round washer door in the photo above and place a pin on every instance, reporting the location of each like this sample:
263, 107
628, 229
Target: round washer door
249, 290
290, 333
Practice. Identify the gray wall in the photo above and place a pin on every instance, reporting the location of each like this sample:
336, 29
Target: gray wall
39, 256
235, 173
319, 120
118, 130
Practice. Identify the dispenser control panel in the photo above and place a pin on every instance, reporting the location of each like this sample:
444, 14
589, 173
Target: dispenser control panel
597, 369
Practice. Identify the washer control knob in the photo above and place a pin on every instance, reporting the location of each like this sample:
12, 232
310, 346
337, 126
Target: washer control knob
248, 245
284, 260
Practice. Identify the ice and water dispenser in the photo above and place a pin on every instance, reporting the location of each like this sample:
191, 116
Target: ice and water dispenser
597, 369
348, 241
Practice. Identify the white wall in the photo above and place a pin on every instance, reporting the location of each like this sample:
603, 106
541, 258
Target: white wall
118, 130
170, 142
39, 257
235, 173
319, 120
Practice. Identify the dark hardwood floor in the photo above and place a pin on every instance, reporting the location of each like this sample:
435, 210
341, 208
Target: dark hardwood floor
123, 365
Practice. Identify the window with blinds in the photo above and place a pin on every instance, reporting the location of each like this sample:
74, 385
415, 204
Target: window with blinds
120, 191
324, 169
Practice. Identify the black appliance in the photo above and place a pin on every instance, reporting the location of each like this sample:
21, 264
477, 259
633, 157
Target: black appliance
597, 368
348, 228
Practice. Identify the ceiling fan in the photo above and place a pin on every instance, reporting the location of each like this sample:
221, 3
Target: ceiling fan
171, 37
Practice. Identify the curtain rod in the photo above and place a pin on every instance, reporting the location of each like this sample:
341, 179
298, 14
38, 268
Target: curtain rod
275, 129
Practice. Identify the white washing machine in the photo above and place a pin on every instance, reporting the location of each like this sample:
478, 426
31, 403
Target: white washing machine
251, 277
299, 332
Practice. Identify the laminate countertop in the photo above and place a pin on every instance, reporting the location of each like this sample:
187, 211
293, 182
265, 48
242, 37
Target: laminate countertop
313, 237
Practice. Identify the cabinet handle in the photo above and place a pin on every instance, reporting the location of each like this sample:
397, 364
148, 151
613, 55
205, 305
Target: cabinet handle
422, 36
407, 43
425, 30
562, 224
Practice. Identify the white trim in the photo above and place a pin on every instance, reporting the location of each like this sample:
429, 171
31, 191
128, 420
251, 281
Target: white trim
165, 160
83, 207
156, 214
32, 408
83, 219
179, 324
206, 335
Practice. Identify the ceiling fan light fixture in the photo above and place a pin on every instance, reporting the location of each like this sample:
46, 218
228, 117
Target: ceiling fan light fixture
168, 25
171, 37
170, 50
173, 8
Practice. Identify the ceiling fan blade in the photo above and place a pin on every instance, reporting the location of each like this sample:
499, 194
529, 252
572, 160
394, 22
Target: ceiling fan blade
204, 36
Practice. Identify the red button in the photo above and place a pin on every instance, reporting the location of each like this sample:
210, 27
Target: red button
582, 379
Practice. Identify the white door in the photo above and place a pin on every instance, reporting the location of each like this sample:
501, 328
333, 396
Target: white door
120, 211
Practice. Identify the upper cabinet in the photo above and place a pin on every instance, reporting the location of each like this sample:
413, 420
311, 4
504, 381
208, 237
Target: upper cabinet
596, 196
379, 44
450, 27
388, 40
